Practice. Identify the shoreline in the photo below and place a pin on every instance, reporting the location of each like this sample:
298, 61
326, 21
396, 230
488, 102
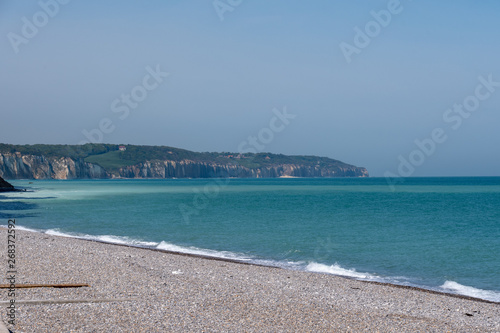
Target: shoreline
153, 290
243, 262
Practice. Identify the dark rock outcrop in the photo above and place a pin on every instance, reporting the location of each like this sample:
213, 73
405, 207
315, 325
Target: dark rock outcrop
5, 186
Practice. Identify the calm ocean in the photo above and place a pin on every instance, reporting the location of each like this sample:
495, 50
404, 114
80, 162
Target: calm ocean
437, 233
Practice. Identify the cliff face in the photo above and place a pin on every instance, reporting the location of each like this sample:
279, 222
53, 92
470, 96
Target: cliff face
190, 169
17, 166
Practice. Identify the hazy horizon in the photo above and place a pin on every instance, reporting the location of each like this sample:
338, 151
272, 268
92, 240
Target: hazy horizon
402, 88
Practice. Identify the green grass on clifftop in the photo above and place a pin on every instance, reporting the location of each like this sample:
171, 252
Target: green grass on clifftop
111, 159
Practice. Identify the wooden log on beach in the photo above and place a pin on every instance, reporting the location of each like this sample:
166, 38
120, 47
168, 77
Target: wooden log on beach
62, 285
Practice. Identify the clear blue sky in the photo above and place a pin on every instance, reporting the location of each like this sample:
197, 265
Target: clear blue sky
226, 77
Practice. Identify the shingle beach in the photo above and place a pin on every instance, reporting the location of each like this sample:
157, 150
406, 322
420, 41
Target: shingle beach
141, 290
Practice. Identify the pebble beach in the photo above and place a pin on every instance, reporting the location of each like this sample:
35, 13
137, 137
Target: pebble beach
142, 290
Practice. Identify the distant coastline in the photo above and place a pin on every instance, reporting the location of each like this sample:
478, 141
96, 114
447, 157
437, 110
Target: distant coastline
106, 161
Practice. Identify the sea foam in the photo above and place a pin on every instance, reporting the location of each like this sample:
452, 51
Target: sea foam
471, 291
202, 252
18, 227
336, 269
123, 240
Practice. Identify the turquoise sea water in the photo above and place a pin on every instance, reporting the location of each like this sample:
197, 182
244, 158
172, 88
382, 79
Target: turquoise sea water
437, 233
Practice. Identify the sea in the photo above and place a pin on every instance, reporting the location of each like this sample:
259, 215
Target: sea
441, 234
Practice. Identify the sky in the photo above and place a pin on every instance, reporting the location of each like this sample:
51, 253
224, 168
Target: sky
403, 88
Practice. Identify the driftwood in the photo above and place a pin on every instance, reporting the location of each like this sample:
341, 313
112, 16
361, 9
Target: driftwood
68, 301
63, 285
